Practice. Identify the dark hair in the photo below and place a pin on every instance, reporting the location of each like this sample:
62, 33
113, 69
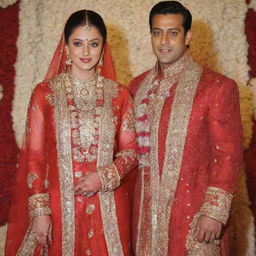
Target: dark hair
79, 19
172, 7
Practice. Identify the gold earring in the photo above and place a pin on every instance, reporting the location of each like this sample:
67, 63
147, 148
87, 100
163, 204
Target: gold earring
101, 61
68, 61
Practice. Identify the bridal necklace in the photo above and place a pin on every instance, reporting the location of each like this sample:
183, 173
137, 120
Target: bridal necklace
86, 99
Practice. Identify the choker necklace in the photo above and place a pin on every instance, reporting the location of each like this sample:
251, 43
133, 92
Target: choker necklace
84, 92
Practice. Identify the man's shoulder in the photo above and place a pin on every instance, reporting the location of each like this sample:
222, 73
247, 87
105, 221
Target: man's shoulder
140, 77
212, 77
136, 81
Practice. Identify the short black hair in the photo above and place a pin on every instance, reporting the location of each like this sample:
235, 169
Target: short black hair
79, 19
171, 7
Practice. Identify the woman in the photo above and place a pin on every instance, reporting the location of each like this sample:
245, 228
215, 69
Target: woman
79, 144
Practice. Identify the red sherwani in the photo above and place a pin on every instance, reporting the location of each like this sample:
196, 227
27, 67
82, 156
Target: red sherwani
190, 165
52, 162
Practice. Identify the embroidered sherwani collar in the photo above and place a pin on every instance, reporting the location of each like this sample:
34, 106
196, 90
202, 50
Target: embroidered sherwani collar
174, 70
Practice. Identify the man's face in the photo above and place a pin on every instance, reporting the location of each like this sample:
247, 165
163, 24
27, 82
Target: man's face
168, 38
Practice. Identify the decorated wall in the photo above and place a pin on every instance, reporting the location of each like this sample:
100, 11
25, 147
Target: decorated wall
223, 40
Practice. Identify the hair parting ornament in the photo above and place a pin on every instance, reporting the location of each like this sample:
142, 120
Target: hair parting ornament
87, 27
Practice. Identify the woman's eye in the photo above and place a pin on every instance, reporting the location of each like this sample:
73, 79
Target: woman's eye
94, 44
77, 44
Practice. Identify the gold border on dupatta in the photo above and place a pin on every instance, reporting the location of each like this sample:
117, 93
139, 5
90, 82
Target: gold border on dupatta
64, 151
105, 158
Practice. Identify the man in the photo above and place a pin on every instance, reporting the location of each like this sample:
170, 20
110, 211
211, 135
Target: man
189, 135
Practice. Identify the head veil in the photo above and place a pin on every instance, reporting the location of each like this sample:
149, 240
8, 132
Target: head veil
58, 63
18, 222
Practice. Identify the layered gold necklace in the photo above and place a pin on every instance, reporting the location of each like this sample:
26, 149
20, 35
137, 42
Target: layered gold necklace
85, 98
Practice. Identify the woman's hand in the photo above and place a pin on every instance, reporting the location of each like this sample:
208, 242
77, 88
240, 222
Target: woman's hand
88, 184
42, 226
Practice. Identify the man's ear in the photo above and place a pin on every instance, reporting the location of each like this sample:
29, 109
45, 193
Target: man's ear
188, 37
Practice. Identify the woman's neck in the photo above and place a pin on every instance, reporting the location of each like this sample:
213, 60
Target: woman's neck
83, 75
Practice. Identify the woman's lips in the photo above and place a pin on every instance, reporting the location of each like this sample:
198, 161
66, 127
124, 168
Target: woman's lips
86, 60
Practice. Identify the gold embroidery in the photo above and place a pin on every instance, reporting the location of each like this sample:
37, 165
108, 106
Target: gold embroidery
88, 252
50, 98
128, 124
217, 204
63, 139
78, 174
127, 153
163, 190
105, 158
83, 116
90, 209
200, 249
39, 204
29, 244
91, 233
109, 178
31, 178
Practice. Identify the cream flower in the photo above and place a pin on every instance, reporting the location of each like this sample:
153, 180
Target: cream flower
252, 5
6, 3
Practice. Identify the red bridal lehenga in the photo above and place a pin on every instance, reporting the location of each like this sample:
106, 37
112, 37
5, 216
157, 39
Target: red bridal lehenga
74, 128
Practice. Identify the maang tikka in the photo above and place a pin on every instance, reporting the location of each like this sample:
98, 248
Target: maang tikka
87, 27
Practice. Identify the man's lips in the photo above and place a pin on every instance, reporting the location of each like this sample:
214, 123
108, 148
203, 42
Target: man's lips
164, 50
86, 60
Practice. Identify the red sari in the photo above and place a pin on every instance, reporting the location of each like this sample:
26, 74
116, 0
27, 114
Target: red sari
189, 135
59, 147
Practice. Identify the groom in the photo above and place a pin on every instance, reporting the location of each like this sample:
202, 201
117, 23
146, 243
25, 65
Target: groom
190, 143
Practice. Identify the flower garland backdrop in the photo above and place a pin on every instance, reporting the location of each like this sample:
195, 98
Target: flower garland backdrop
8, 156
222, 48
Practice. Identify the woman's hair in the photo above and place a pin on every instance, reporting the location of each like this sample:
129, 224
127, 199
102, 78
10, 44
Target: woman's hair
82, 18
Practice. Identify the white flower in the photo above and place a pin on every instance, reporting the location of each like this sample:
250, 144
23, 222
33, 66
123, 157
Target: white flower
6, 3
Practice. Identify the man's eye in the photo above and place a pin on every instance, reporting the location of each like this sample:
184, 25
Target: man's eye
77, 44
173, 33
156, 33
94, 44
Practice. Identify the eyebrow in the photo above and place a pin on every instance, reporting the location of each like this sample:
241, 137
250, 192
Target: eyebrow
81, 40
167, 29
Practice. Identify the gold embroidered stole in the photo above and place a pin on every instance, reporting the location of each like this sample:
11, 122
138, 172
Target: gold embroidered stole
160, 191
105, 157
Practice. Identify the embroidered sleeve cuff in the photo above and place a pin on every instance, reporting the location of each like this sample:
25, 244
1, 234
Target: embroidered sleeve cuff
39, 204
125, 161
109, 178
217, 204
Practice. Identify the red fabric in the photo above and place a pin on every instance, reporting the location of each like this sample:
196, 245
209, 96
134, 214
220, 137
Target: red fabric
39, 153
250, 31
215, 120
8, 158
250, 167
